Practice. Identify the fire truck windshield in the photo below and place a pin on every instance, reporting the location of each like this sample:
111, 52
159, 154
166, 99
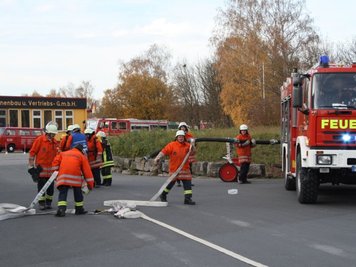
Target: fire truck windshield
334, 90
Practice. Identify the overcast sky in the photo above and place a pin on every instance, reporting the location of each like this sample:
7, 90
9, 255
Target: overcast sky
47, 44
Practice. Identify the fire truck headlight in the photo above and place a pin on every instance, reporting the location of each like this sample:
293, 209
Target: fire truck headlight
346, 138
324, 159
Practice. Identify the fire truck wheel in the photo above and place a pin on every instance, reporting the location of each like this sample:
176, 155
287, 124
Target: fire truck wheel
11, 148
228, 172
307, 184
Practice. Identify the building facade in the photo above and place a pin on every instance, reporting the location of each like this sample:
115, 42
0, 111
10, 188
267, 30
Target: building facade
36, 112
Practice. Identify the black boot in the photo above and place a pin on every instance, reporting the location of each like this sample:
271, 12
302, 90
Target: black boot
80, 211
48, 205
109, 182
188, 201
163, 197
61, 212
42, 205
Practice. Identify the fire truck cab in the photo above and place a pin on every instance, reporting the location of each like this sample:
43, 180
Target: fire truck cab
318, 128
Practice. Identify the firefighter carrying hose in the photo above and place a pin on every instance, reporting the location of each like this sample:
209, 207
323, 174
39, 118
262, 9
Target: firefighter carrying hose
41, 155
108, 161
177, 150
95, 152
188, 136
71, 165
243, 150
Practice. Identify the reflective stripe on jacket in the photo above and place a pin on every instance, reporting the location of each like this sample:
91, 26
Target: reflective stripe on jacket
176, 152
244, 152
42, 152
95, 152
71, 166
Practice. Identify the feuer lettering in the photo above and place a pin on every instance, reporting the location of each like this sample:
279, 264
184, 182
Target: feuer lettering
338, 124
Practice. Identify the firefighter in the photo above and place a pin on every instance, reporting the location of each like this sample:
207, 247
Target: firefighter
77, 138
188, 136
177, 150
95, 152
64, 140
243, 150
71, 166
41, 155
108, 162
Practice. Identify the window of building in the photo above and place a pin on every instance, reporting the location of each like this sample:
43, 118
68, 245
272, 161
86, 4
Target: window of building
47, 116
58, 116
14, 118
36, 118
2, 118
69, 118
25, 118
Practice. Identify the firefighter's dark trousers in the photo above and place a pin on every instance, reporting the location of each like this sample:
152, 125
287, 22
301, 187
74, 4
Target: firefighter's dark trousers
187, 185
48, 195
244, 168
62, 197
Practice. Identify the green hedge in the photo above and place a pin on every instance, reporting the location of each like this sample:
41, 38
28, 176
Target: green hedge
139, 144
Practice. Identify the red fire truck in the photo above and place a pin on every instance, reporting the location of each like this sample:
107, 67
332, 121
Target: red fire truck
318, 135
112, 126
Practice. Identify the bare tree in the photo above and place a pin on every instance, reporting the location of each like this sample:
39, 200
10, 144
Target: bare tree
188, 93
211, 87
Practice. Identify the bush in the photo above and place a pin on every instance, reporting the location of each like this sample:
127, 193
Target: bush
139, 144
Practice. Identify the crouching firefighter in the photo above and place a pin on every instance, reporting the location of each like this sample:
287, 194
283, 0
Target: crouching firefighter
108, 161
71, 165
177, 150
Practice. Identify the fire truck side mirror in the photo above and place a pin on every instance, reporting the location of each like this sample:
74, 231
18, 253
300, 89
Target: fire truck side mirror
297, 96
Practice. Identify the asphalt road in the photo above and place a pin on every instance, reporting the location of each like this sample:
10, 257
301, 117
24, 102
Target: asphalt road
263, 223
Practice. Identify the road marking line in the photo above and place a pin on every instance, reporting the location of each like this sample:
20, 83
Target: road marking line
204, 242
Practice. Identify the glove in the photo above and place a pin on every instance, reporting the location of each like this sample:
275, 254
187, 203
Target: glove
192, 141
156, 160
253, 142
246, 143
90, 185
35, 172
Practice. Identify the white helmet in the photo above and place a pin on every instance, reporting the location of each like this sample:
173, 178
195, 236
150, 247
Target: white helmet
70, 128
182, 124
243, 127
89, 131
101, 134
51, 129
76, 127
180, 132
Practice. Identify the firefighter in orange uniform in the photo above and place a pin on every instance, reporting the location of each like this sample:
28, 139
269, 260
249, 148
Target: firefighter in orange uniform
95, 153
177, 150
71, 165
41, 155
188, 136
243, 151
64, 140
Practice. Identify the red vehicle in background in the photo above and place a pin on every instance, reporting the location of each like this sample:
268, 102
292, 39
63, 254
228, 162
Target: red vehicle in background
318, 135
15, 138
112, 126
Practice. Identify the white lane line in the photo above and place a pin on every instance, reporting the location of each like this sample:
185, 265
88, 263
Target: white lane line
206, 243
